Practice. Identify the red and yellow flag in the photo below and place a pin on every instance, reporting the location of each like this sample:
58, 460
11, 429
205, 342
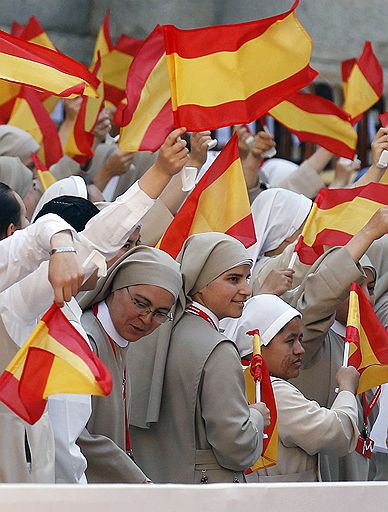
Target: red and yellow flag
269, 454
201, 212
233, 74
368, 341
34, 33
104, 41
45, 177
44, 69
146, 119
115, 66
30, 115
315, 119
54, 359
79, 145
337, 215
363, 82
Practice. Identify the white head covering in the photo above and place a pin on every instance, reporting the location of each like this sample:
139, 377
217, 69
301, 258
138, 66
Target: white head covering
72, 186
16, 142
275, 170
268, 313
277, 213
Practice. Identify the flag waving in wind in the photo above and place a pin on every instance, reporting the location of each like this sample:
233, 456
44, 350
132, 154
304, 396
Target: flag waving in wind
368, 341
202, 213
55, 359
233, 74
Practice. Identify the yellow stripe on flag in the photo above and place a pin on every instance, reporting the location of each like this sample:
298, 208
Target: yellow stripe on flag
208, 215
209, 71
46, 179
355, 103
23, 118
115, 67
154, 95
321, 124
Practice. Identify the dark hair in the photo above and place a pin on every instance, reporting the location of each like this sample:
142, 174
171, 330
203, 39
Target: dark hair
9, 209
76, 211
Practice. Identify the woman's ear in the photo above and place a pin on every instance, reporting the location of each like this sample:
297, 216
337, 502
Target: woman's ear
10, 230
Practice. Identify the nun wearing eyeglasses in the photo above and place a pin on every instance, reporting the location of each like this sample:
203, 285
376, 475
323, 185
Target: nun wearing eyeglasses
133, 300
305, 428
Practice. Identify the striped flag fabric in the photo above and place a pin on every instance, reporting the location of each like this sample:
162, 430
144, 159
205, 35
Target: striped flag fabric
79, 144
30, 115
363, 82
146, 119
269, 453
315, 119
55, 359
233, 74
46, 178
35, 33
201, 212
368, 341
337, 215
44, 69
104, 41
115, 66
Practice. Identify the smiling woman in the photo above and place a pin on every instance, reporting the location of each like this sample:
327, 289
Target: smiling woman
304, 427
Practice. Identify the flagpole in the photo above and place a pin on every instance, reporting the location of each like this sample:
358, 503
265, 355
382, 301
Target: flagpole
346, 355
293, 260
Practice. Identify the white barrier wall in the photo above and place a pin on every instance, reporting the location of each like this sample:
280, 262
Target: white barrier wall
348, 497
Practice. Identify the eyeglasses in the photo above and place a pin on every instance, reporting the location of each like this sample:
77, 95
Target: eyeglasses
143, 310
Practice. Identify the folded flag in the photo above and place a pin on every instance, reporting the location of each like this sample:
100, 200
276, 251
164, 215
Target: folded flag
368, 341
30, 115
258, 371
54, 359
146, 119
363, 82
315, 119
45, 177
201, 212
233, 74
337, 215
104, 41
43, 68
35, 33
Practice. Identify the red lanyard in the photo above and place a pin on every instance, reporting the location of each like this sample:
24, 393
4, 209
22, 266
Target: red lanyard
124, 384
367, 409
195, 310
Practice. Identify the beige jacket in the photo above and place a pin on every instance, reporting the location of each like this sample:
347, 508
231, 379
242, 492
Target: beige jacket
305, 429
103, 440
205, 428
323, 289
27, 453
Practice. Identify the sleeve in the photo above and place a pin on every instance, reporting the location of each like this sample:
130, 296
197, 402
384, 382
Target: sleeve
155, 222
107, 463
305, 180
65, 167
321, 292
303, 423
23, 252
234, 430
117, 219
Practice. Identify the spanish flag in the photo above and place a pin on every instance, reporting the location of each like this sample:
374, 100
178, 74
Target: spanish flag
363, 82
104, 41
34, 33
115, 66
45, 177
315, 119
79, 145
368, 341
55, 359
233, 74
270, 442
30, 115
44, 69
146, 119
384, 123
337, 215
202, 212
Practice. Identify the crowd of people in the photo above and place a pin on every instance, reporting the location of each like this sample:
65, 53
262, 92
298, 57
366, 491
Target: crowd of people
172, 333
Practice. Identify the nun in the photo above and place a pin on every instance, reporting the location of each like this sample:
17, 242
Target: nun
305, 428
191, 422
134, 299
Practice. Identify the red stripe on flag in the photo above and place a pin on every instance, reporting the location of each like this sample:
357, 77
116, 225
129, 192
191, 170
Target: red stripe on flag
329, 198
334, 145
31, 30
128, 45
243, 230
371, 68
158, 129
221, 38
198, 118
317, 105
346, 68
9, 395
113, 94
333, 237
